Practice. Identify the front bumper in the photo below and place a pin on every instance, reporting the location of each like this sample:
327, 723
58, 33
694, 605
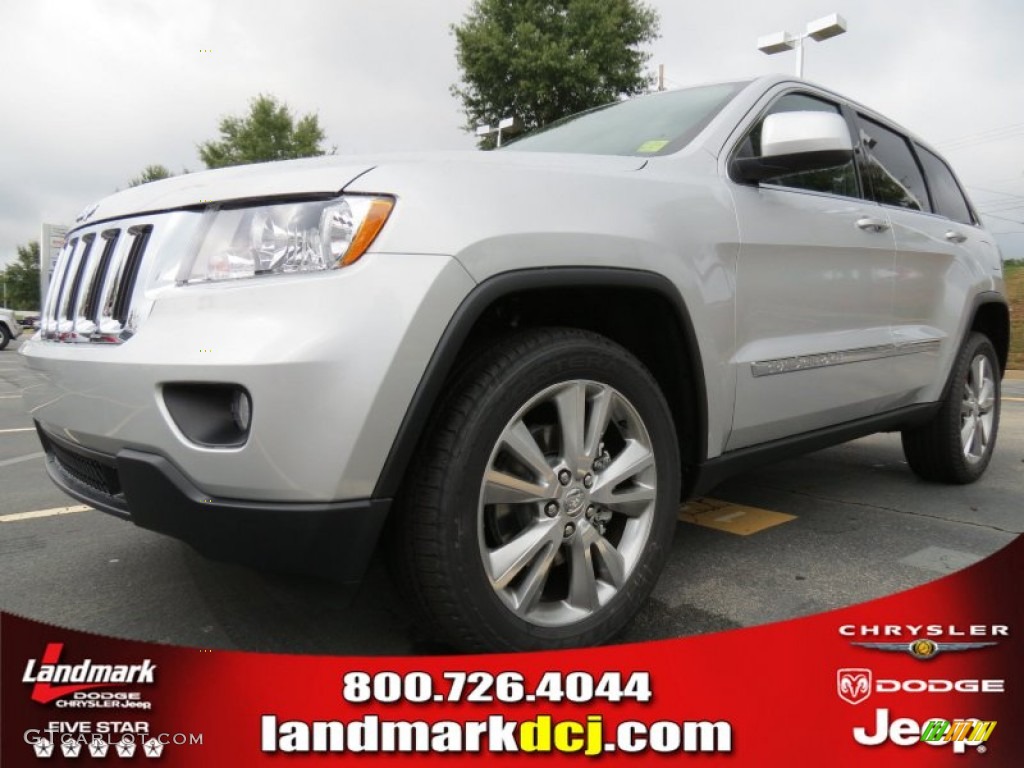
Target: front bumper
331, 362
328, 540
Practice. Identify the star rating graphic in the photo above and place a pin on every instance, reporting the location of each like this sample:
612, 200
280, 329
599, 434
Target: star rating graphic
125, 748
153, 748
43, 748
71, 748
98, 747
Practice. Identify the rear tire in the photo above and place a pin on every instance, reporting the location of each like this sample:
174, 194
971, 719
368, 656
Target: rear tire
542, 504
5, 337
956, 445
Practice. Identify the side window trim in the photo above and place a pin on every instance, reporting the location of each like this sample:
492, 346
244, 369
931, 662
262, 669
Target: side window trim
933, 203
849, 114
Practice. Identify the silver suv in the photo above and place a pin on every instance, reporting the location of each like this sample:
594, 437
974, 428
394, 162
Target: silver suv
521, 360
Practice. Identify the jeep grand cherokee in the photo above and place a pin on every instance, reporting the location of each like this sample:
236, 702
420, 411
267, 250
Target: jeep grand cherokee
522, 360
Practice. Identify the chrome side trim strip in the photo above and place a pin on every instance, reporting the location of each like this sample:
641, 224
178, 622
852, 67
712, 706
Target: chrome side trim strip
843, 357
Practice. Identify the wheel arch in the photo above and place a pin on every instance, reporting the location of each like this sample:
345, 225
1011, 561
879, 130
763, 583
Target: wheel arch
622, 304
991, 316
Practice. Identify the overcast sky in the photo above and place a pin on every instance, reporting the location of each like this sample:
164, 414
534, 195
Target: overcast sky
92, 91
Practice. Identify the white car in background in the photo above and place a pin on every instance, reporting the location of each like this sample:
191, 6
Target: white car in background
10, 328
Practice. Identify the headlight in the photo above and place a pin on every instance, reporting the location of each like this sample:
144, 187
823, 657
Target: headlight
288, 237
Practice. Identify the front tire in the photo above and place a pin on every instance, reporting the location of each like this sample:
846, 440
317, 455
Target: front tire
956, 445
541, 507
5, 337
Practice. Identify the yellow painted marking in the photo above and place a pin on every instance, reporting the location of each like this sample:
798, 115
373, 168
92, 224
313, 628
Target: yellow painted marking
21, 429
731, 518
42, 513
1014, 399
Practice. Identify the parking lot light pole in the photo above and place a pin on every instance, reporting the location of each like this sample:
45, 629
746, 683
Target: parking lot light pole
503, 125
818, 30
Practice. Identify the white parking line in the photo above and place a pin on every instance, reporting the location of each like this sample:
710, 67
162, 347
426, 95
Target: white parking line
19, 429
13, 518
19, 459
8, 397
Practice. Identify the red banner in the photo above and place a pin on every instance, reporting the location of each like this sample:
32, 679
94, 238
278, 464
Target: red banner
928, 677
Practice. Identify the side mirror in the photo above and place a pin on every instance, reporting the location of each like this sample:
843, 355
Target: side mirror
792, 142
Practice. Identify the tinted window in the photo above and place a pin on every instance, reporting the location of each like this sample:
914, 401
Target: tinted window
891, 174
650, 125
840, 180
946, 195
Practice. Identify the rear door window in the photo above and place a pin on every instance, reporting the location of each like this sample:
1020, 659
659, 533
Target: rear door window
890, 171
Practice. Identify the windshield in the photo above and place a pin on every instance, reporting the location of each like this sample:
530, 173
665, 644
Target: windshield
657, 124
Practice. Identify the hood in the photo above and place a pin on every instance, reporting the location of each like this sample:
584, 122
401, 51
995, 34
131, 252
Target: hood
315, 175
306, 176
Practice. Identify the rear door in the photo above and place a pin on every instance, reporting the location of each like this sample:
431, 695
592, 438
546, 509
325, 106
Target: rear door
935, 232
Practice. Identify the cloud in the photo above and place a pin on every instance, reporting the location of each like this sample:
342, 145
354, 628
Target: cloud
95, 90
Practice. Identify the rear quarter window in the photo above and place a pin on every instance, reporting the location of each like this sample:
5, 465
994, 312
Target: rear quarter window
947, 197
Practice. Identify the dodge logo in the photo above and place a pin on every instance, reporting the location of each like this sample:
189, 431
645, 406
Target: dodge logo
853, 685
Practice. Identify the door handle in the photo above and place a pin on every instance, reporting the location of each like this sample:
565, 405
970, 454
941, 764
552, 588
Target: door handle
955, 237
872, 225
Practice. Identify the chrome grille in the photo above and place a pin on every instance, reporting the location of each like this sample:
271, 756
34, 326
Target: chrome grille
93, 284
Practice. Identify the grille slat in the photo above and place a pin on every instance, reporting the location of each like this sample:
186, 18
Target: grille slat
54, 295
115, 273
92, 300
131, 272
69, 309
76, 286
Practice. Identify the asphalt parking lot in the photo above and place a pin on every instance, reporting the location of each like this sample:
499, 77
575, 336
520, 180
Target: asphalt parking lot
863, 526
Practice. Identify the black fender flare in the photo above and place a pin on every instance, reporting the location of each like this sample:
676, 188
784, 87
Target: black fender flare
519, 281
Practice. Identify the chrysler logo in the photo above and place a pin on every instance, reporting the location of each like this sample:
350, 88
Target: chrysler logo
853, 684
923, 648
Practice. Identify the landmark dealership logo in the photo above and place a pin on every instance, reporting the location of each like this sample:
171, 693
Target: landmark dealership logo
52, 680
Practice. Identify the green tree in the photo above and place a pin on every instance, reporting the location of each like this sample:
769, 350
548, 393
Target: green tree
150, 173
539, 60
268, 132
21, 278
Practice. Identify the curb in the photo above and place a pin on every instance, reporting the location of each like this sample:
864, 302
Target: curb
1014, 375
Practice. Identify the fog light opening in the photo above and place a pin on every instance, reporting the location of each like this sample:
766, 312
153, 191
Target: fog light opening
241, 410
210, 414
